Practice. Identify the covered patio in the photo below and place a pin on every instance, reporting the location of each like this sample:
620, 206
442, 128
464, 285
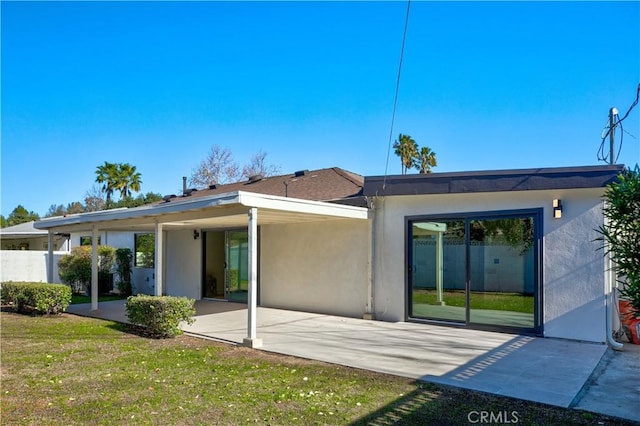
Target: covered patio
550, 371
237, 209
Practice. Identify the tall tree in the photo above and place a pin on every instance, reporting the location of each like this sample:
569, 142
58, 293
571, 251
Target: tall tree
107, 175
75, 207
55, 210
3, 222
128, 180
425, 160
218, 167
407, 149
259, 166
21, 215
93, 200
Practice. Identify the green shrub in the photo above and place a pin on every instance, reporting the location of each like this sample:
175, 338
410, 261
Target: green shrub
75, 269
39, 298
161, 315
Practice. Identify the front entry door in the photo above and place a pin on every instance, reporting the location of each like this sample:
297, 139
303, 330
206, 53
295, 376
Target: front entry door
225, 265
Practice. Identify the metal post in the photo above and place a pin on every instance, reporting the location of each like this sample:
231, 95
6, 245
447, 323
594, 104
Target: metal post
158, 260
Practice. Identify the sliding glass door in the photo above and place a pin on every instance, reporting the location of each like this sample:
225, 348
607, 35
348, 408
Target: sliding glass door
475, 269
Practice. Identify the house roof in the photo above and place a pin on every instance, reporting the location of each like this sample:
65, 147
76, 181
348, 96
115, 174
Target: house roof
22, 230
318, 185
493, 180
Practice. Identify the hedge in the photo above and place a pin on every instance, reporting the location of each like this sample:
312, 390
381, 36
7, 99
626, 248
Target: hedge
38, 298
161, 315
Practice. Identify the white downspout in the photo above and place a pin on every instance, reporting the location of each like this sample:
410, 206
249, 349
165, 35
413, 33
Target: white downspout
609, 285
368, 314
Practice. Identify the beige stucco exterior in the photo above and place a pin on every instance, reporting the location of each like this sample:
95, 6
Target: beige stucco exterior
317, 267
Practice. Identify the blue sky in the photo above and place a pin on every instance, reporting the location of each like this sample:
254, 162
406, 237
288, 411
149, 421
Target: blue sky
486, 85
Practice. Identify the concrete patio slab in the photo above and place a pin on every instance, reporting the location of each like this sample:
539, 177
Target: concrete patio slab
550, 371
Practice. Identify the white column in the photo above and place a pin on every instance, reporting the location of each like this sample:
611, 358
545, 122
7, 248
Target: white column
50, 257
94, 269
251, 340
158, 259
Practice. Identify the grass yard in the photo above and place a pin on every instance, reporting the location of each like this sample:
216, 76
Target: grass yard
492, 301
64, 370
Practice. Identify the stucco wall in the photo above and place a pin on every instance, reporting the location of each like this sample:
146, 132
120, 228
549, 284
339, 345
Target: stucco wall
28, 265
316, 267
183, 264
573, 277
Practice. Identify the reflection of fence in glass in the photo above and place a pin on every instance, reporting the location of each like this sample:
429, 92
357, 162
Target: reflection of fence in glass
495, 266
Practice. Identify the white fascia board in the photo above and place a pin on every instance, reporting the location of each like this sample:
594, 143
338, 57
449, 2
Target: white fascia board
154, 210
297, 205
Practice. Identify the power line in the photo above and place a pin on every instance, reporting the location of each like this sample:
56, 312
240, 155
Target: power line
395, 98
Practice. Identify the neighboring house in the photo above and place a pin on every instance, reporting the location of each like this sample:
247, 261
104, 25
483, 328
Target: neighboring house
477, 249
24, 248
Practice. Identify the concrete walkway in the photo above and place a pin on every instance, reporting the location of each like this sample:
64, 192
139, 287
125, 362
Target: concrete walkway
551, 371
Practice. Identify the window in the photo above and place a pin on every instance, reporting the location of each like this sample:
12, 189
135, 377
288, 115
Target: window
145, 250
87, 240
479, 269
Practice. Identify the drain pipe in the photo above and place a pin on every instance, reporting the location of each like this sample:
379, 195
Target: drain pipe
369, 315
609, 285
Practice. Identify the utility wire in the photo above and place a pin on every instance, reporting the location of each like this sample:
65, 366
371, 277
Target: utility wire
395, 98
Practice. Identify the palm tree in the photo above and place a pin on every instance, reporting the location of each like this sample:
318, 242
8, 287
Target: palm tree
128, 180
407, 149
107, 175
425, 160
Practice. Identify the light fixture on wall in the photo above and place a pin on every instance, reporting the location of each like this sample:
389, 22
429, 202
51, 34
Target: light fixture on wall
557, 208
196, 234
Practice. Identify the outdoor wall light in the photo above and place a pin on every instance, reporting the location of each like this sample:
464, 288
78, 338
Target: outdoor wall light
196, 234
557, 208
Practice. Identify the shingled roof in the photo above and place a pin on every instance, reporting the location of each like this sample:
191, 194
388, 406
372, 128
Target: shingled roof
332, 184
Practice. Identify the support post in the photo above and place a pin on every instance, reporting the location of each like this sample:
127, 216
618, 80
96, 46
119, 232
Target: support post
94, 269
439, 267
50, 257
251, 340
158, 260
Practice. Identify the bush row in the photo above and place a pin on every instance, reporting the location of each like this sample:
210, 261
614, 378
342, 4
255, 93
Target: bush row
161, 315
38, 298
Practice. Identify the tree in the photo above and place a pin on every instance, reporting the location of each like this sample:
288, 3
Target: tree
21, 215
107, 175
621, 233
128, 180
425, 160
140, 200
3, 222
258, 166
75, 207
407, 149
218, 167
93, 200
55, 210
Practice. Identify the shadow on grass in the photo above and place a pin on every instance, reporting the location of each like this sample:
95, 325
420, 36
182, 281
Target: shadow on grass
443, 405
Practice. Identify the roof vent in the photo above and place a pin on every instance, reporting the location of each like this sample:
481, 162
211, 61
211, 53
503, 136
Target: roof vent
255, 178
213, 186
301, 173
168, 198
189, 191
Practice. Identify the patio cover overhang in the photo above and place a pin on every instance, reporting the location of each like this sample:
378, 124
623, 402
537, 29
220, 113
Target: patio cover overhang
234, 209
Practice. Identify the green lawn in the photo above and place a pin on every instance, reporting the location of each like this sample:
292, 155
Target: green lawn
494, 300
78, 298
65, 370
